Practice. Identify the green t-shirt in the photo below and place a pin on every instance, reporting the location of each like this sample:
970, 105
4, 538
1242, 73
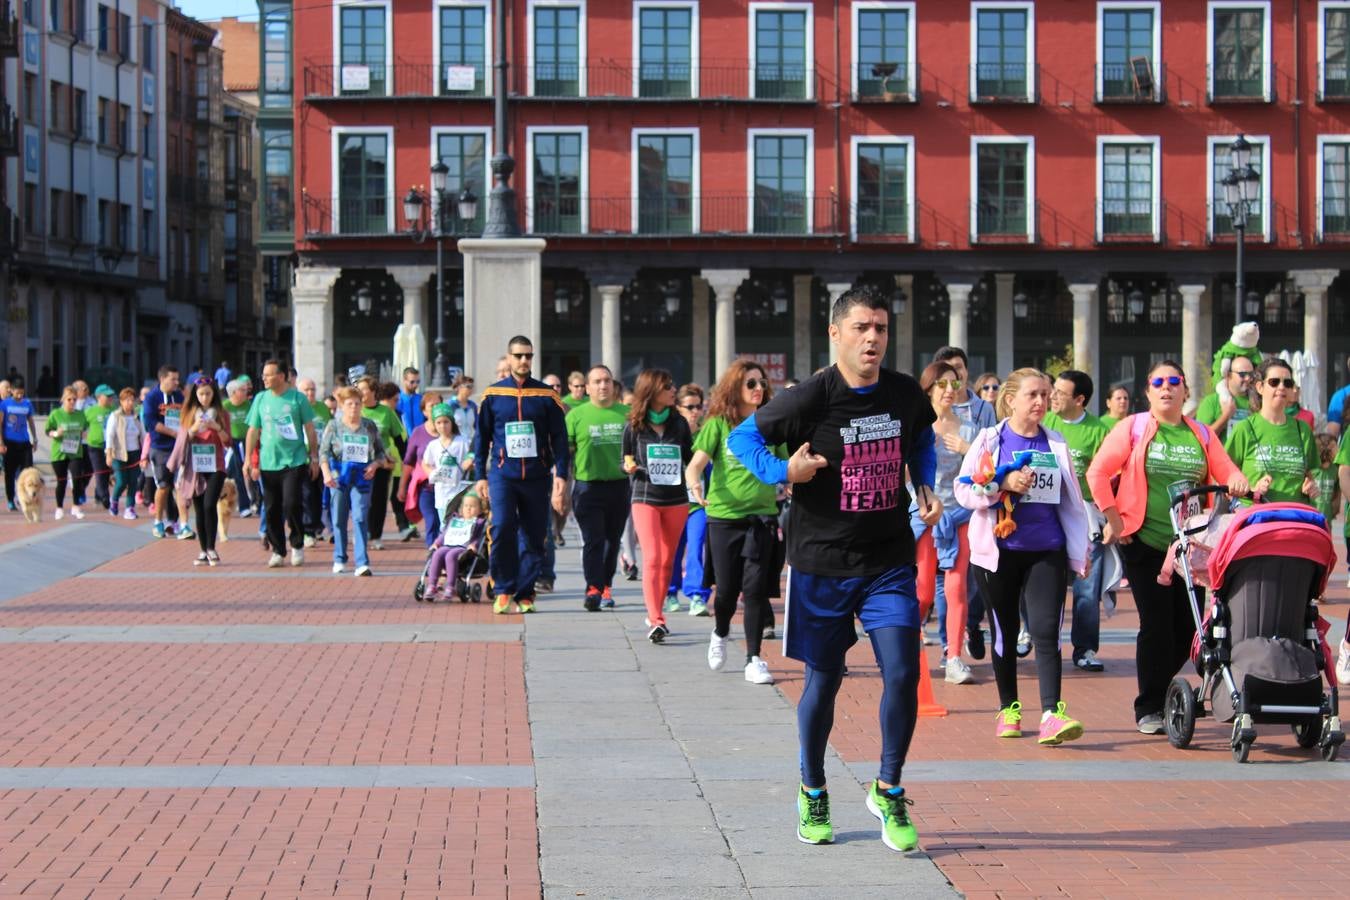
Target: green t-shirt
572, 402
1174, 454
97, 417
322, 414
1084, 438
1209, 411
238, 418
733, 493
390, 424
1108, 421
282, 422
70, 428
597, 434
1326, 491
1287, 453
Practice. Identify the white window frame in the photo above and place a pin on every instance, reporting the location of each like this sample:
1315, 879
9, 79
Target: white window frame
1030, 194
911, 66
489, 74
1224, 140
433, 153
802, 7
1323, 8
387, 6
906, 141
751, 134
694, 70
1267, 62
584, 188
390, 178
582, 20
1322, 141
696, 198
1033, 78
1153, 141
1153, 6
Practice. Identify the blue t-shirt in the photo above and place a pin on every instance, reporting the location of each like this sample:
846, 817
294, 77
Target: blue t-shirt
17, 415
1038, 527
161, 410
1336, 409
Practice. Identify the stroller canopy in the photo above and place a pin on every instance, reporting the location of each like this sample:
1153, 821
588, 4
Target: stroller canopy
1274, 529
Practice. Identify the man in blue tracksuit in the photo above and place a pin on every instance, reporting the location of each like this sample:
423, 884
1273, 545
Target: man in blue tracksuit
520, 436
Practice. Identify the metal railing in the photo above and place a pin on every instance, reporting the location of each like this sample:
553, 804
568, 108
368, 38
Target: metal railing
1129, 222
874, 85
1333, 226
1333, 82
414, 79
1004, 83
1231, 83
1010, 222
881, 221
1116, 83
346, 217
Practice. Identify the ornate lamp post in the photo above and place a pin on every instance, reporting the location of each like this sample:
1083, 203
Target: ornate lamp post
438, 225
1241, 188
501, 216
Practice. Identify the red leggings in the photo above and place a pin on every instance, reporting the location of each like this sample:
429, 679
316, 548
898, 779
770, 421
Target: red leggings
955, 584
658, 532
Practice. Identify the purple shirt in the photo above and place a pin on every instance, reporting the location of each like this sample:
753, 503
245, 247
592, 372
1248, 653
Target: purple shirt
418, 440
1038, 527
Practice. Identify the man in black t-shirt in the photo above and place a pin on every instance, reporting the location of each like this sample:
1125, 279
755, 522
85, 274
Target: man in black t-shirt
857, 428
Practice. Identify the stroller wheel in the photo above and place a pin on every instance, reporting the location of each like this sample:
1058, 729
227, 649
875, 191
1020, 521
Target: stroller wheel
1243, 738
476, 593
1331, 747
1308, 733
1179, 713
418, 590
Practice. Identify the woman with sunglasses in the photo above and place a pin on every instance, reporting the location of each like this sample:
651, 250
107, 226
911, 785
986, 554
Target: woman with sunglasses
687, 574
986, 387
1149, 451
742, 517
1276, 451
946, 546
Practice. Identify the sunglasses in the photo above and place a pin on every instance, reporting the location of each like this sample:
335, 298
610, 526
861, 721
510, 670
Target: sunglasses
695, 408
1248, 374
668, 386
1278, 382
953, 383
1172, 380
756, 383
523, 355
988, 387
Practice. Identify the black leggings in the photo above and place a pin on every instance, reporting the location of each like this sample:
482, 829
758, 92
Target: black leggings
73, 467
204, 505
1166, 627
897, 653
281, 497
379, 504
736, 573
18, 456
1042, 577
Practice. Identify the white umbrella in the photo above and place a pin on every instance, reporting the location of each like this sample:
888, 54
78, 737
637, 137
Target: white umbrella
1308, 373
409, 347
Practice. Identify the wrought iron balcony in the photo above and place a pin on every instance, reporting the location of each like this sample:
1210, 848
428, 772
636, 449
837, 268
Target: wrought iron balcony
1004, 83
1131, 83
1130, 222
405, 79
762, 215
886, 82
1009, 222
624, 80
1333, 83
1233, 83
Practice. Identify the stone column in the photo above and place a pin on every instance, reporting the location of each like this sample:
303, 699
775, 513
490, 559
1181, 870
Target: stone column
802, 361
503, 278
312, 298
959, 324
597, 353
701, 370
1191, 357
1085, 355
611, 349
1004, 322
902, 326
723, 283
836, 291
1314, 284
416, 284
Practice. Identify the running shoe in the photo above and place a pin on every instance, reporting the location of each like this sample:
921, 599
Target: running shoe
309, 541
698, 607
630, 571
337, 568
889, 805
813, 817
408, 534
757, 671
1057, 727
1343, 664
158, 530
717, 652
112, 509
606, 599
377, 545
502, 604
245, 512
201, 559
525, 605
13, 507
543, 586
362, 572
1150, 724
212, 558
1089, 662
185, 533
592, 601
975, 643
129, 514
767, 633
60, 514
1008, 722
1023, 643
672, 603
276, 561
658, 634
958, 672
297, 557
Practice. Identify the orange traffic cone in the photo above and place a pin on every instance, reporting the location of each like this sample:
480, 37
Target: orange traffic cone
928, 706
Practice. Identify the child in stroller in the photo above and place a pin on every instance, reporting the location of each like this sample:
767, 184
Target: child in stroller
456, 553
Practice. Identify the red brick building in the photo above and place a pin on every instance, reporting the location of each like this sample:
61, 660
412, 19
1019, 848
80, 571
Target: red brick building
1025, 175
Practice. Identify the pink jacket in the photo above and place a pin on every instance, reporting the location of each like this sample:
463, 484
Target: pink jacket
1122, 453
1072, 514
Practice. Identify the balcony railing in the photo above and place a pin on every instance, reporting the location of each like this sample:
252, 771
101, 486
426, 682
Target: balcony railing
9, 29
886, 83
1009, 222
881, 221
1333, 83
1003, 83
1232, 83
1127, 83
1333, 219
1129, 222
344, 217
404, 79
9, 130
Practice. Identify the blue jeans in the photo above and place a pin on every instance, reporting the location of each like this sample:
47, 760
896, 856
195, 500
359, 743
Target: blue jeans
692, 545
519, 529
940, 606
550, 556
357, 502
1087, 608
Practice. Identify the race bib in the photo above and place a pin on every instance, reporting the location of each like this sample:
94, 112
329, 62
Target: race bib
458, 532
204, 459
286, 427
1045, 480
356, 448
70, 443
172, 419
663, 465
448, 468
520, 440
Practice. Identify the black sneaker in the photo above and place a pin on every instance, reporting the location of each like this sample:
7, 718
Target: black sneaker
592, 601
560, 541
1089, 662
630, 571
658, 634
975, 643
543, 586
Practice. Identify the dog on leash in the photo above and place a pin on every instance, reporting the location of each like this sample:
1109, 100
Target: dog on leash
29, 486
225, 506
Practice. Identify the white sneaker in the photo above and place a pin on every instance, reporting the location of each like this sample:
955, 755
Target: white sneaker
337, 568
245, 513
958, 672
276, 561
60, 514
309, 540
77, 512
297, 557
377, 545
757, 671
1343, 664
717, 652
362, 571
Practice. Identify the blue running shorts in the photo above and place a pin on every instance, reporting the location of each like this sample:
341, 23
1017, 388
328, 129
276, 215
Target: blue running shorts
820, 609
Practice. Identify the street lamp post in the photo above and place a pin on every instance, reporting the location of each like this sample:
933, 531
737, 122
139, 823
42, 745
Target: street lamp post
467, 209
501, 216
1241, 187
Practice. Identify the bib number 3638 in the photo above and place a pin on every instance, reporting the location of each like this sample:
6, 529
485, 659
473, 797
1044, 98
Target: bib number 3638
520, 440
663, 465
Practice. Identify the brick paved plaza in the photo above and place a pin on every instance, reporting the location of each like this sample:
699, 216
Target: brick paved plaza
168, 731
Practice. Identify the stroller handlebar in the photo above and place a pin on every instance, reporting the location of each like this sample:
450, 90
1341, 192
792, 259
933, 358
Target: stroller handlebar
1198, 492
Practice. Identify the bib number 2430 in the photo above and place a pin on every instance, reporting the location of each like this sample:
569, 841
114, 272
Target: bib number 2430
520, 440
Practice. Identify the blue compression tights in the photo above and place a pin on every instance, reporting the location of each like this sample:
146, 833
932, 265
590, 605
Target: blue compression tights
897, 653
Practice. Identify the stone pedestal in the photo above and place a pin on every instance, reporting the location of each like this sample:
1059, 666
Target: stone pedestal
312, 298
503, 278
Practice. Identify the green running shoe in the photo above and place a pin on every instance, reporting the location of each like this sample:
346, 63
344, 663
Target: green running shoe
698, 607
813, 818
897, 832
672, 603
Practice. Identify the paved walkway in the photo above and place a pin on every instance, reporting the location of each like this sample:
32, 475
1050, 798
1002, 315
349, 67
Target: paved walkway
168, 731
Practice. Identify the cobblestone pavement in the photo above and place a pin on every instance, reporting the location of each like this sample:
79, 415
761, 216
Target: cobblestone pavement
171, 731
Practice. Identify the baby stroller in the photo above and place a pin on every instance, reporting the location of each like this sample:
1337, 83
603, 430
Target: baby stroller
1258, 648
473, 563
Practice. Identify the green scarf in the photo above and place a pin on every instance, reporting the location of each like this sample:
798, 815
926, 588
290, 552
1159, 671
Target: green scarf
658, 418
